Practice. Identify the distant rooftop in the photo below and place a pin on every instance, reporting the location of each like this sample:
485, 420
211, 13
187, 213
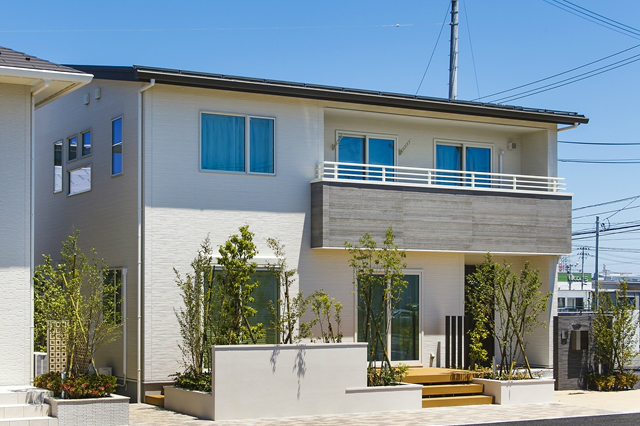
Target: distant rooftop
13, 59
328, 93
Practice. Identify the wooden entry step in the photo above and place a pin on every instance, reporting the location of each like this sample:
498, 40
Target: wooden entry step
457, 401
446, 387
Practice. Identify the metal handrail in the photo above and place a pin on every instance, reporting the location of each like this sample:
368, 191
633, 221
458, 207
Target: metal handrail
416, 176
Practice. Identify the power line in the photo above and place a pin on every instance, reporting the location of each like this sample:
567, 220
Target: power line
434, 49
605, 203
633, 161
602, 143
561, 73
594, 17
602, 213
473, 58
570, 80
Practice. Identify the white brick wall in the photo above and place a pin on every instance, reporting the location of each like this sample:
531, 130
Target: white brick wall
15, 235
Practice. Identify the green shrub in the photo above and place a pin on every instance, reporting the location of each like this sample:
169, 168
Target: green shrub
77, 387
193, 381
612, 382
386, 376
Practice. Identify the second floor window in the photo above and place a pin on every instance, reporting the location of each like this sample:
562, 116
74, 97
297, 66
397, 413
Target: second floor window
365, 149
57, 167
116, 146
237, 143
72, 148
462, 158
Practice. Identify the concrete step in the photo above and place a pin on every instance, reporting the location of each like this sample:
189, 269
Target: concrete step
24, 410
22, 395
30, 421
451, 389
456, 401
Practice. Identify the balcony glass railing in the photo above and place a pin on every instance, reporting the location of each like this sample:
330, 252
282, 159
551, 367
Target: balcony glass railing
415, 176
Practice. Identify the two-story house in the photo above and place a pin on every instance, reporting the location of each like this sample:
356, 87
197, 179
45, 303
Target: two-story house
26, 83
154, 160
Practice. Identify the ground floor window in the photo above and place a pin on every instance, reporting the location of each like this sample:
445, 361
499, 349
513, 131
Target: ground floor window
266, 294
404, 335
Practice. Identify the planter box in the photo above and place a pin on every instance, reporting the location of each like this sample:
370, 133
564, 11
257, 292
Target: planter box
193, 403
109, 411
254, 381
511, 392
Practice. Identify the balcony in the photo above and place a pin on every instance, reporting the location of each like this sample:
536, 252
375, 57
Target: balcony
440, 210
420, 177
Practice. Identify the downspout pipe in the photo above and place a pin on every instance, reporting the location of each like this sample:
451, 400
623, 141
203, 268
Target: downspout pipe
140, 234
32, 216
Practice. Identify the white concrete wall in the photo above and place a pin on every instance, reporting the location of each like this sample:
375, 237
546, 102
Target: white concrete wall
106, 215
15, 235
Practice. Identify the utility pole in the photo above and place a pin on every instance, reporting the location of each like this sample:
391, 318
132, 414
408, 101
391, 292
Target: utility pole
453, 53
595, 277
582, 254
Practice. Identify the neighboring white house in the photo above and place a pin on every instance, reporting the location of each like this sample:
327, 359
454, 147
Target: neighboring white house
26, 82
154, 160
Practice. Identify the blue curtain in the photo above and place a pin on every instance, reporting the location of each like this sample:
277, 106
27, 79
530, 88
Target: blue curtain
261, 145
381, 152
479, 160
448, 157
222, 142
116, 146
351, 150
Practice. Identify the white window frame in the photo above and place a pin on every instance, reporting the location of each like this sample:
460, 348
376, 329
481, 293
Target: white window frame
421, 297
367, 136
464, 145
247, 143
69, 172
61, 144
121, 143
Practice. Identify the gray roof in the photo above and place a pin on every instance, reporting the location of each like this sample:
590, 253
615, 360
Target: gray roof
328, 93
14, 59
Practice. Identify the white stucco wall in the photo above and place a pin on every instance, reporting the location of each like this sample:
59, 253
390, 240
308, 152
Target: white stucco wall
15, 235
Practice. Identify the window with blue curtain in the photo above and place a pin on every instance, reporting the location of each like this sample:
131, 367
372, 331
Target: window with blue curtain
448, 157
116, 146
381, 152
261, 145
226, 143
222, 142
479, 160
351, 150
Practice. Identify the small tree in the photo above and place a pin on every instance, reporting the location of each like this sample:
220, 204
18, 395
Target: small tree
231, 296
287, 322
327, 311
76, 295
194, 318
517, 301
614, 330
379, 284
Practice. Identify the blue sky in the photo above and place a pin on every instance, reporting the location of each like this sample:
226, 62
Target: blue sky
384, 45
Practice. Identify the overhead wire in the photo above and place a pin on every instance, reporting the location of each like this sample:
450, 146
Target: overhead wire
573, 160
605, 203
473, 59
434, 49
602, 143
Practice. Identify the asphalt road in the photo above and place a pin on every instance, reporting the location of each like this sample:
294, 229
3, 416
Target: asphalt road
614, 420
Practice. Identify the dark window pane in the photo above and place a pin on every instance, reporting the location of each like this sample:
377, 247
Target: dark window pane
448, 157
381, 152
266, 292
86, 143
73, 148
351, 150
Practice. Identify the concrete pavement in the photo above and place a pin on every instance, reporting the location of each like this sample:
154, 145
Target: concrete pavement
568, 404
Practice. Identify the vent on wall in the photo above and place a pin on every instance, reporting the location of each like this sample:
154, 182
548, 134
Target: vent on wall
511, 145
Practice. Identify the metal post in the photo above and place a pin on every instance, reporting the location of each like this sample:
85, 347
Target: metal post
595, 277
453, 54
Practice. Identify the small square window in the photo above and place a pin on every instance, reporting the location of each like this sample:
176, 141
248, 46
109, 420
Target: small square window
72, 148
86, 143
116, 146
57, 167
